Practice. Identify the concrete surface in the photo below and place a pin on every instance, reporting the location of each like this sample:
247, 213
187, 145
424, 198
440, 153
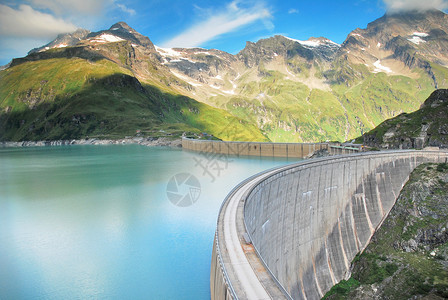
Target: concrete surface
307, 222
295, 150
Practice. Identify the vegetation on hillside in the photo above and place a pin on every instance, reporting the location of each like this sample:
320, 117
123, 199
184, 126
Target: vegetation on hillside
408, 255
289, 111
61, 98
427, 126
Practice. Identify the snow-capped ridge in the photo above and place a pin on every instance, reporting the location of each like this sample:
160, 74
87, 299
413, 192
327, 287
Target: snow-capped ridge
315, 42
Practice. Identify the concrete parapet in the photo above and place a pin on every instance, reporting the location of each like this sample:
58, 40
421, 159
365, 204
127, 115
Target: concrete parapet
295, 150
307, 221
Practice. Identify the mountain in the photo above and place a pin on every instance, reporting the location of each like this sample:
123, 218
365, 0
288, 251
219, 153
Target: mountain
108, 85
63, 40
399, 43
317, 90
425, 127
288, 90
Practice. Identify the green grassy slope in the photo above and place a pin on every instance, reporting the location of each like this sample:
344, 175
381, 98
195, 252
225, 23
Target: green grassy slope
290, 111
61, 98
404, 130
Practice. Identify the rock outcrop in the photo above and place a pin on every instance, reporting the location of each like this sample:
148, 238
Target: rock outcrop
407, 257
426, 127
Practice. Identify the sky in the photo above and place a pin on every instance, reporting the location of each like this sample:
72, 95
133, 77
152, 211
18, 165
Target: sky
224, 25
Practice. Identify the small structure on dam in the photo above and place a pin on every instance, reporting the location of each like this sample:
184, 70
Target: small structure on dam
306, 222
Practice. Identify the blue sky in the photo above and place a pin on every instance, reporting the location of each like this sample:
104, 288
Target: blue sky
224, 25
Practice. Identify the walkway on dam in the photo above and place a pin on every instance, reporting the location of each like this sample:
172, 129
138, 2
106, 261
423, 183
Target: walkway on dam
235, 248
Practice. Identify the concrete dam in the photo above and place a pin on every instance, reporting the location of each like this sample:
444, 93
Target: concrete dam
292, 232
264, 149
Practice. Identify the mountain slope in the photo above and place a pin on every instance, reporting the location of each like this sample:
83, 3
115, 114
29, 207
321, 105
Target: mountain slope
90, 90
427, 126
317, 90
288, 90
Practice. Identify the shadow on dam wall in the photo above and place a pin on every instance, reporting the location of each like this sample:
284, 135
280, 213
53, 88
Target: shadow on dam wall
309, 220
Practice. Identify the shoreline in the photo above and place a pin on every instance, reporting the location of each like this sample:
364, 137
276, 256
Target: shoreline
177, 143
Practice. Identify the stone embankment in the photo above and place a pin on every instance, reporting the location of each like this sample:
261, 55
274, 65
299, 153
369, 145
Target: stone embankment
140, 141
305, 223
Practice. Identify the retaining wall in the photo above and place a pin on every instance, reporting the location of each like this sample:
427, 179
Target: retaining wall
308, 221
293, 150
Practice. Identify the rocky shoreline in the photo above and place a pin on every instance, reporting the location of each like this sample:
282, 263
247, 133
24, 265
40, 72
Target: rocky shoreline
126, 141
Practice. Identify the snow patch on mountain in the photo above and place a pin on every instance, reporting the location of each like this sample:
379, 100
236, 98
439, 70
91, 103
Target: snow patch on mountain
380, 68
421, 34
170, 52
106, 38
314, 43
202, 52
417, 37
416, 40
170, 55
357, 34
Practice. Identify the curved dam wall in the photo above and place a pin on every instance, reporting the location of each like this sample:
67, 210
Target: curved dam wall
309, 220
296, 150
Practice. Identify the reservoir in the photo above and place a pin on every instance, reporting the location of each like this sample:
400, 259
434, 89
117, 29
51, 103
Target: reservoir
112, 222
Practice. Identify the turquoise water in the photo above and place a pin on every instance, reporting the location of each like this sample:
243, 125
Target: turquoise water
83, 222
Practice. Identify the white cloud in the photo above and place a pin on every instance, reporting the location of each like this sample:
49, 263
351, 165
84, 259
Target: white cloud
421, 5
293, 11
59, 7
27, 22
216, 24
126, 9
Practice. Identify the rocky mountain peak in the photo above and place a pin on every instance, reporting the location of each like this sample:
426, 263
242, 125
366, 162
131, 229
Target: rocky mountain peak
122, 31
121, 25
64, 40
405, 23
401, 41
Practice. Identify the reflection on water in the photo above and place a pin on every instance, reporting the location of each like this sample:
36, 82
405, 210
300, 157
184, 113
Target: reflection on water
95, 221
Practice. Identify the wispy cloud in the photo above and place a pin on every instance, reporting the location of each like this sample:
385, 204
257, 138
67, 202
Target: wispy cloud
126, 9
293, 11
422, 5
60, 7
215, 24
27, 22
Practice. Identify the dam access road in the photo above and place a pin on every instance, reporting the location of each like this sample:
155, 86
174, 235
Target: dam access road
292, 232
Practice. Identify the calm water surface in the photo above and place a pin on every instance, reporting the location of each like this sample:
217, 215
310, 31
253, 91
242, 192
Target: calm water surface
85, 222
